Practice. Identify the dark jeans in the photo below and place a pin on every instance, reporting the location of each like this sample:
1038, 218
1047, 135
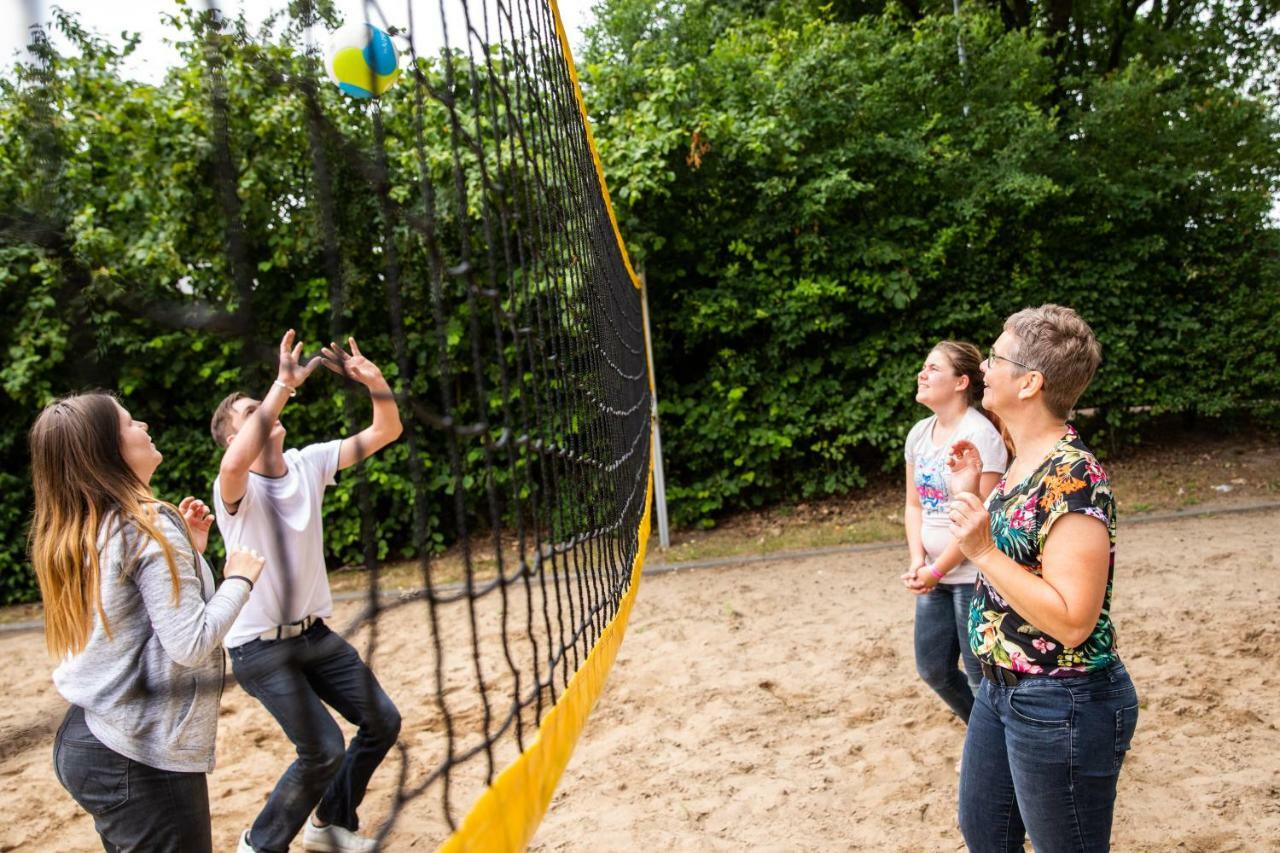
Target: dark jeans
134, 807
942, 639
1042, 758
294, 679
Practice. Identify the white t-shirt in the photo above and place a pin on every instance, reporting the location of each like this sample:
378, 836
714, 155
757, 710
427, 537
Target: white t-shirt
279, 517
933, 480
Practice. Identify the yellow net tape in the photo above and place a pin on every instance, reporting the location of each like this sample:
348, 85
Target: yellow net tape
509, 811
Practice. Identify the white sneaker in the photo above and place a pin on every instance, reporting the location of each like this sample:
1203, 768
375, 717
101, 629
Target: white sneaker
244, 846
335, 839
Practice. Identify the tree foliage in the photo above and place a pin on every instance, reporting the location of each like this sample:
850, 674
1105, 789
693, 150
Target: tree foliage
820, 192
160, 238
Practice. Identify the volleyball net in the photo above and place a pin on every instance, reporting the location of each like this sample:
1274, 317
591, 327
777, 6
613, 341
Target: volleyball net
460, 227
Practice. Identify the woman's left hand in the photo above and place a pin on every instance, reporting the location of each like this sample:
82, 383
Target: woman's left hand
965, 464
198, 519
970, 525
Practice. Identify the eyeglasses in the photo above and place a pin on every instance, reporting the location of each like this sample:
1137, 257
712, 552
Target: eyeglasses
992, 355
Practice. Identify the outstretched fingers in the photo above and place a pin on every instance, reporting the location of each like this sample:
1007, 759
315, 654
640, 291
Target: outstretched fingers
315, 362
335, 359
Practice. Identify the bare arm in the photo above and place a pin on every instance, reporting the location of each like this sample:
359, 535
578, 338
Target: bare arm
913, 514
247, 443
386, 426
1065, 601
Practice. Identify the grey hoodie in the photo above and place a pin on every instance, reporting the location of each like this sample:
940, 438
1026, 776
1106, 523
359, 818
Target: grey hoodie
150, 690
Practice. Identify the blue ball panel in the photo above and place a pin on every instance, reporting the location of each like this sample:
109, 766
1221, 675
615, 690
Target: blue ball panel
355, 91
380, 53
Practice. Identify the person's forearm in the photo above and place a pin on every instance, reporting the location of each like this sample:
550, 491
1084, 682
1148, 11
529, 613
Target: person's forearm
913, 515
951, 557
252, 437
1034, 598
385, 428
386, 414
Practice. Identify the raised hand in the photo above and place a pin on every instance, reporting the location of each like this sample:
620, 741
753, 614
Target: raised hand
292, 371
244, 563
965, 464
353, 364
970, 525
199, 519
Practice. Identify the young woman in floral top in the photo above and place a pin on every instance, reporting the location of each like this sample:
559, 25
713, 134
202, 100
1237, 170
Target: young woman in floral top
1051, 725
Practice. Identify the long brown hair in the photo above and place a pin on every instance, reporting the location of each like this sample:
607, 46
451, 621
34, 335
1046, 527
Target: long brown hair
966, 360
81, 482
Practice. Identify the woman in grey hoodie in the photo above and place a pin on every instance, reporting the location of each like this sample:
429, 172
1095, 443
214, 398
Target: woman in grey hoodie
131, 612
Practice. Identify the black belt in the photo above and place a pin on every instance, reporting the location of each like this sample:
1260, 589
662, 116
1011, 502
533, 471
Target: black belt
1009, 678
293, 629
1000, 675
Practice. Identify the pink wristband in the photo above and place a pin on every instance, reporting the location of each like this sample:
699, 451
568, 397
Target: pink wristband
933, 570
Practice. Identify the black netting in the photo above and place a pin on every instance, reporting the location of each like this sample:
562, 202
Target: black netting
506, 320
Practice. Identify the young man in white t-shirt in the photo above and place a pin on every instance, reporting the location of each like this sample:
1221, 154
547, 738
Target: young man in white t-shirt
269, 499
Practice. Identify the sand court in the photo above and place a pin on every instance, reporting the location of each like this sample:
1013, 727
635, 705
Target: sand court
775, 706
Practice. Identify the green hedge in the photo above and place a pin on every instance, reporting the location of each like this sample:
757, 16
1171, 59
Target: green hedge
817, 192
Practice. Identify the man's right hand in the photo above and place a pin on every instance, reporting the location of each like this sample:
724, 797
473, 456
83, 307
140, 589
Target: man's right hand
292, 371
244, 563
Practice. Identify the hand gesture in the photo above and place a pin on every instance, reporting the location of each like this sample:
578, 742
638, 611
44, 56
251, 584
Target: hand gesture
244, 563
353, 365
198, 519
292, 371
965, 464
970, 525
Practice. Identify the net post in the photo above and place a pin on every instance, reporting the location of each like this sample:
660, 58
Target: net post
659, 480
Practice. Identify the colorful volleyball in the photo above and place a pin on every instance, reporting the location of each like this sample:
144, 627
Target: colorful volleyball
363, 60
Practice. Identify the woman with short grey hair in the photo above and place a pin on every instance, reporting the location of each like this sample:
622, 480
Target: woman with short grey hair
1053, 720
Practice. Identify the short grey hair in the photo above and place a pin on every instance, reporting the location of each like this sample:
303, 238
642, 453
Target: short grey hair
1056, 341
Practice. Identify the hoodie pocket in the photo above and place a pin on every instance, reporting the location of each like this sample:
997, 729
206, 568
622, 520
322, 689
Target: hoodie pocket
181, 735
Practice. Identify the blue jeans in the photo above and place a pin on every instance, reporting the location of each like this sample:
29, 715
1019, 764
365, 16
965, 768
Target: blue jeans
1042, 758
294, 679
942, 638
133, 806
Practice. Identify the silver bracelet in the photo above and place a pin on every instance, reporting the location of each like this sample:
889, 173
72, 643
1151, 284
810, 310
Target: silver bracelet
293, 392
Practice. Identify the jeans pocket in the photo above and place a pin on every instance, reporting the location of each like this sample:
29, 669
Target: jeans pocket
1126, 725
1042, 702
96, 777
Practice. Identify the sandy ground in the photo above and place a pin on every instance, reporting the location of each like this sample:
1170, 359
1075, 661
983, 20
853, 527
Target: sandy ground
775, 707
